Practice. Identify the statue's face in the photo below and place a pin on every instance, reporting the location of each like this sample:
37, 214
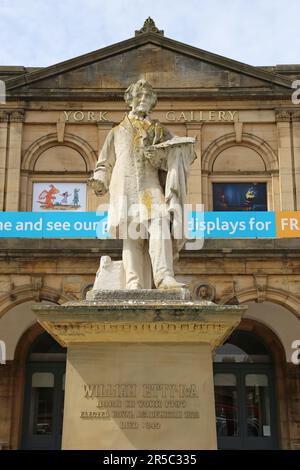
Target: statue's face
142, 102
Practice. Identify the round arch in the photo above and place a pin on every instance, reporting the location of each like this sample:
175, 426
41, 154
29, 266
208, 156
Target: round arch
277, 296
272, 342
50, 140
21, 353
248, 140
27, 293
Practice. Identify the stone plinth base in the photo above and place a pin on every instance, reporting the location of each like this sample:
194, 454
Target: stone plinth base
139, 373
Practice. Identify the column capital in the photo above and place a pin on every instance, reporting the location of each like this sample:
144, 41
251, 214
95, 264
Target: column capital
282, 115
195, 126
296, 116
17, 116
4, 116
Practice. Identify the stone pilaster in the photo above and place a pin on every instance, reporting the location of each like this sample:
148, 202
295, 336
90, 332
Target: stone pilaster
293, 388
195, 178
296, 146
3, 153
14, 160
285, 157
6, 395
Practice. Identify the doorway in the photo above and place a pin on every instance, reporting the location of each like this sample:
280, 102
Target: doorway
44, 395
245, 394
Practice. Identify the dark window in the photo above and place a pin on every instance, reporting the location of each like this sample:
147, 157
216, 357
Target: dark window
240, 197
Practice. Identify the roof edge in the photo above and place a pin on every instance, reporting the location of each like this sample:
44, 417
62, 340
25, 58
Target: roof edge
137, 41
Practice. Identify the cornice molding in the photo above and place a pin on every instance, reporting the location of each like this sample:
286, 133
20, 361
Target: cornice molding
141, 40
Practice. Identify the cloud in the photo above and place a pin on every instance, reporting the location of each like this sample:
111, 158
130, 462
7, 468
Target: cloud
41, 33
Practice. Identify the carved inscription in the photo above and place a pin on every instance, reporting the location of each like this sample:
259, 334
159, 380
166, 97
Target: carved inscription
177, 116
140, 406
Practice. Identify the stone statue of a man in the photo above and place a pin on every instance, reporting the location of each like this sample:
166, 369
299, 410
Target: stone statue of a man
134, 155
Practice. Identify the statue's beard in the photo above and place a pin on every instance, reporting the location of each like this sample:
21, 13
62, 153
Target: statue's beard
142, 110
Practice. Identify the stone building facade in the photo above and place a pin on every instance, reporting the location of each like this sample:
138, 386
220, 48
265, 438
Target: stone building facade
52, 127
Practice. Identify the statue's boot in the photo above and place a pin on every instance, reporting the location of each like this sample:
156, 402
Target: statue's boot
170, 282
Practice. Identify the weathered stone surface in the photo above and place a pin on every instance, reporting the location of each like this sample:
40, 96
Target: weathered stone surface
110, 276
139, 372
136, 320
141, 295
146, 396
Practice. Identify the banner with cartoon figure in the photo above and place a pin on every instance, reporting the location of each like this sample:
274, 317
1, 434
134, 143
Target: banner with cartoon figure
56, 196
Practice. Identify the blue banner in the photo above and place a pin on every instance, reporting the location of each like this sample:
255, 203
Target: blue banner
232, 224
93, 225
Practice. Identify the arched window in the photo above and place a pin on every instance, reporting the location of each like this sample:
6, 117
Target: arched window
240, 174
65, 165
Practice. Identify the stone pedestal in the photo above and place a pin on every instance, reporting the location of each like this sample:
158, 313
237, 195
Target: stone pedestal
139, 369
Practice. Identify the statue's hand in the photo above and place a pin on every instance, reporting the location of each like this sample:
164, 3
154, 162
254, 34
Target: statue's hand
152, 156
98, 186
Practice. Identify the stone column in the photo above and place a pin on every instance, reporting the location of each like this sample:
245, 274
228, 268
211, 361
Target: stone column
14, 161
293, 398
3, 154
285, 157
195, 183
6, 396
296, 148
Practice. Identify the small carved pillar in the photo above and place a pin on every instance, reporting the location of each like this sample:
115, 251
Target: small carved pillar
3, 153
296, 146
14, 160
285, 156
195, 178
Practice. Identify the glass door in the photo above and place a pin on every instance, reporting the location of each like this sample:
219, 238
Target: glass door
44, 394
44, 401
245, 407
245, 393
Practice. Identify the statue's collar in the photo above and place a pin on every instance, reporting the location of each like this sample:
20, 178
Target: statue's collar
127, 123
134, 117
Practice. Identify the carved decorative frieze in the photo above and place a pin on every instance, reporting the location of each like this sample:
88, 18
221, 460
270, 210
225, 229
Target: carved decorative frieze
17, 116
296, 116
4, 116
210, 332
282, 115
152, 322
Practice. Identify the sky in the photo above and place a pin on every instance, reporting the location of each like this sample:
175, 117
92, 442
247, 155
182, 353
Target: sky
45, 32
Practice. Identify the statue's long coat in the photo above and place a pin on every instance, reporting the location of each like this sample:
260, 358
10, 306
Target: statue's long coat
126, 172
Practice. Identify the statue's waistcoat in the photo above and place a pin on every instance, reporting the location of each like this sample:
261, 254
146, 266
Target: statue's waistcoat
133, 174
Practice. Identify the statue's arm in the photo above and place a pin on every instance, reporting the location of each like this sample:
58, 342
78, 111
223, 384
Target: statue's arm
104, 167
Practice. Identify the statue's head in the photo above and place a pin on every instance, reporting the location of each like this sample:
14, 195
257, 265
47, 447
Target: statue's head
141, 97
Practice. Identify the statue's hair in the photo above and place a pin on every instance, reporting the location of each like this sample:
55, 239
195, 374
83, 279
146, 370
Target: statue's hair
133, 89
